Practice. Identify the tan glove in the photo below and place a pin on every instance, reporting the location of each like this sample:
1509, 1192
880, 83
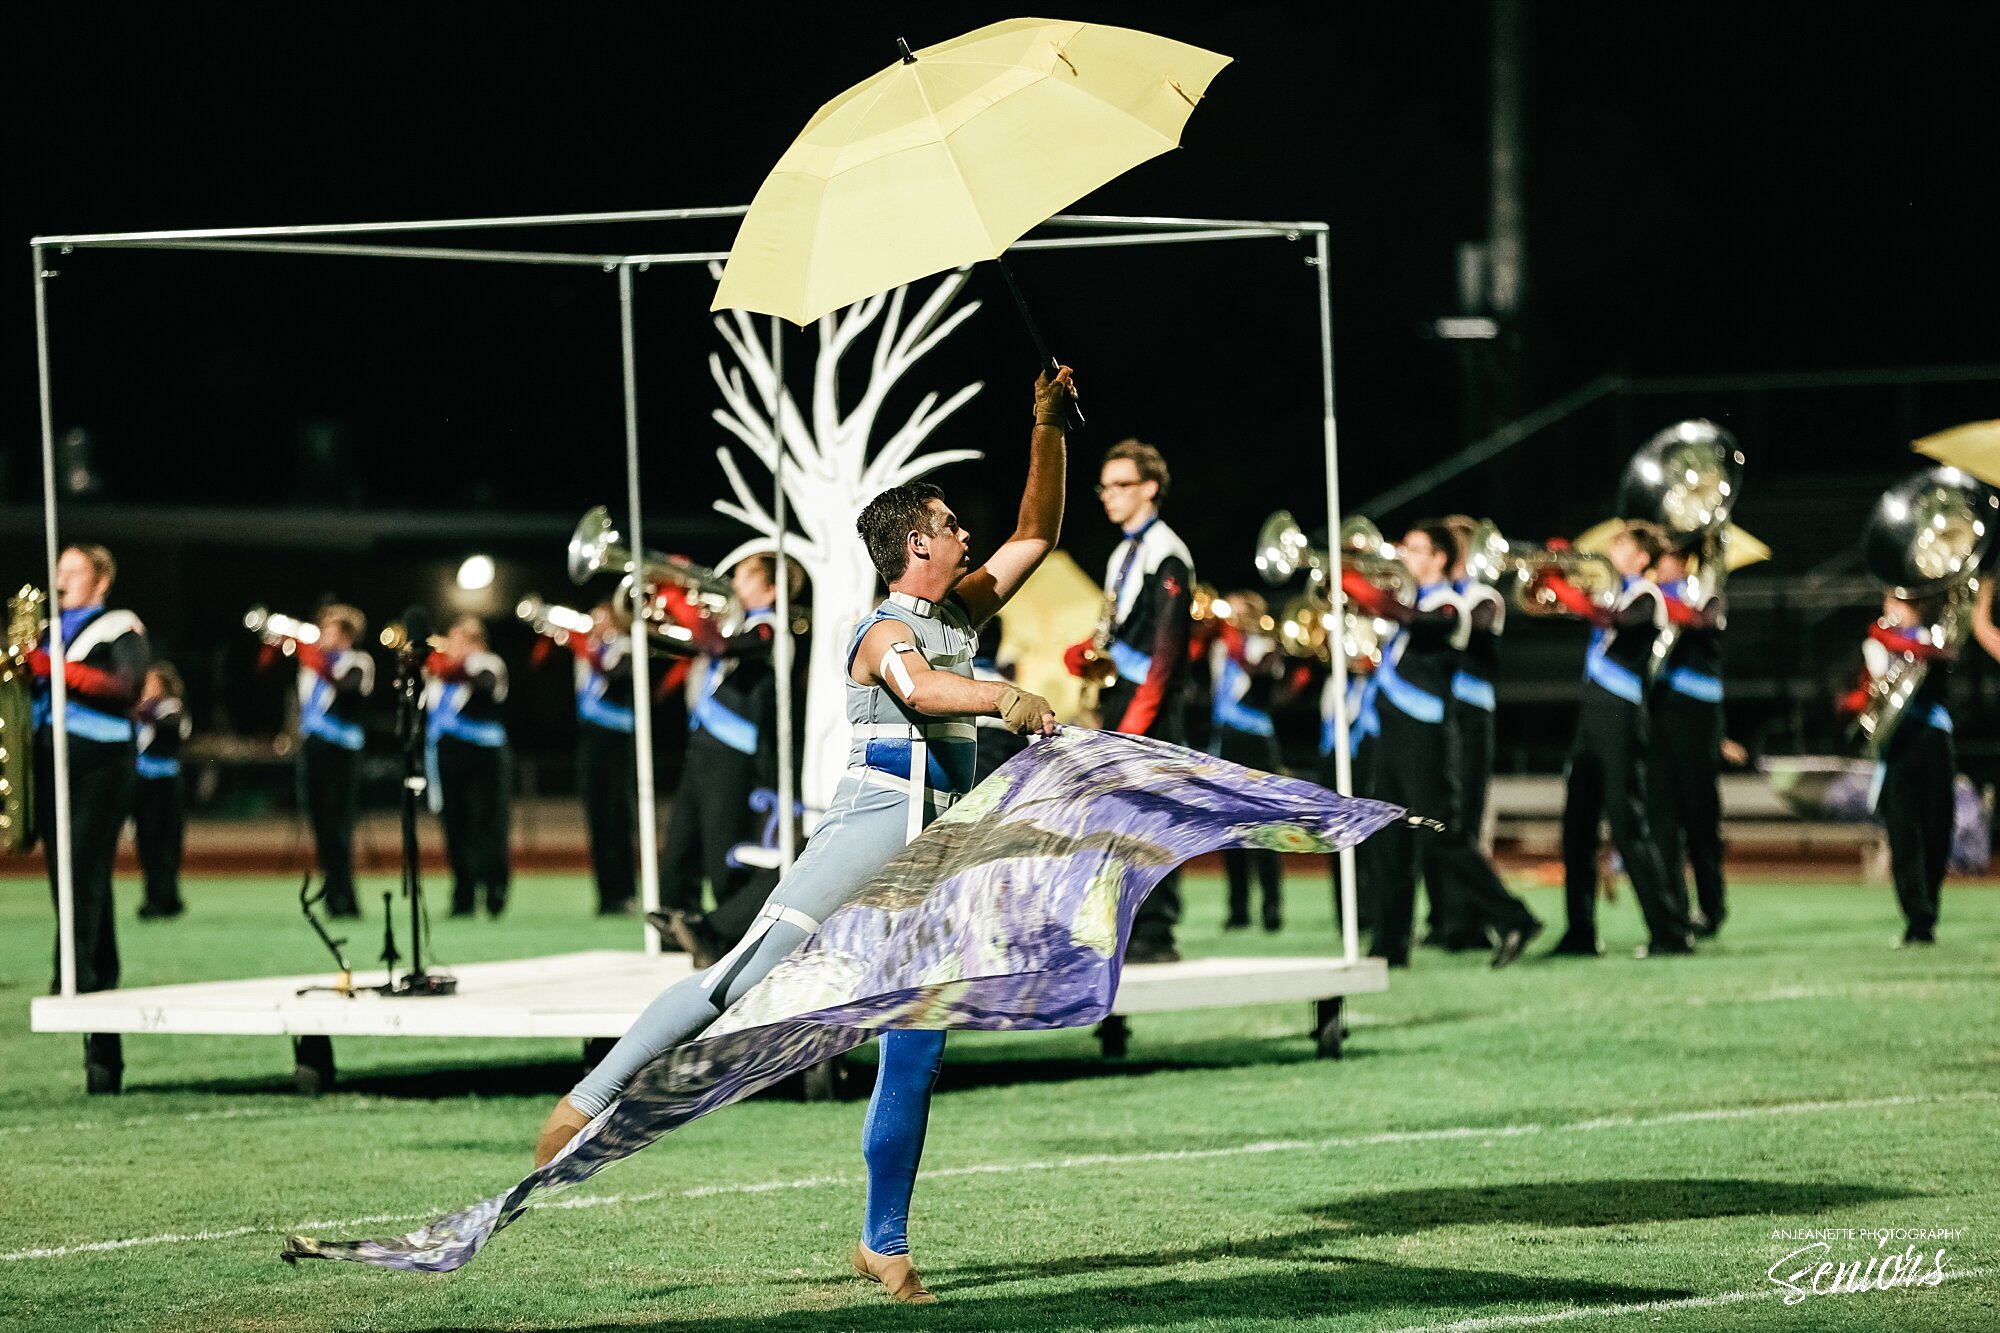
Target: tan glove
1024, 713
1052, 397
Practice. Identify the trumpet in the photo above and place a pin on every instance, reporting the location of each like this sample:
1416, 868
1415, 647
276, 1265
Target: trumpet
550, 619
26, 620
1306, 624
395, 636
596, 546
279, 630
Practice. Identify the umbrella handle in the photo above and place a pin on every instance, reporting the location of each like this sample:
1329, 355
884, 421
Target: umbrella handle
1049, 363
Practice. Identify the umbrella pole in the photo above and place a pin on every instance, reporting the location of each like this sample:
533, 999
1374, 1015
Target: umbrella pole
1049, 363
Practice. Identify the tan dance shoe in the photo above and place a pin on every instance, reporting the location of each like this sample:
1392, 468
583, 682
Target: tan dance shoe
895, 1274
564, 1123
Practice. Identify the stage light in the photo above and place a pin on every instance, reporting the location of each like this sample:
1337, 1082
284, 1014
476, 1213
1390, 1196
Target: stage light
476, 573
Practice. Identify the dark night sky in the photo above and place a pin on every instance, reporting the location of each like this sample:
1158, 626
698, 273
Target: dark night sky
1711, 188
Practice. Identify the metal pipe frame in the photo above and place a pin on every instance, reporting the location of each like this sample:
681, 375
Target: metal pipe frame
58, 685
1343, 764
274, 240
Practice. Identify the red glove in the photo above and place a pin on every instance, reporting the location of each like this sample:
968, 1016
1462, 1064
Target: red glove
674, 599
1363, 593
444, 668
1680, 613
1856, 699
312, 659
38, 662
673, 677
1896, 641
1573, 598
1074, 658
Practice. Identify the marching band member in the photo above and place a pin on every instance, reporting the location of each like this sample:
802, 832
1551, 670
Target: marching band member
1687, 725
159, 802
466, 753
910, 697
335, 680
606, 763
1471, 707
1607, 764
1148, 585
104, 670
732, 751
1414, 755
1248, 674
1914, 783
1364, 723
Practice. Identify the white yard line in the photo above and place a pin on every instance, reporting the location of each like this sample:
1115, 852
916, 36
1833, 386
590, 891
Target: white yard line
1487, 1323
1385, 1137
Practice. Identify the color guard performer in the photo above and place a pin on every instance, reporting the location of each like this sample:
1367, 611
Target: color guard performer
104, 669
335, 679
1414, 755
159, 800
1607, 765
1148, 587
911, 699
1687, 728
466, 753
1914, 782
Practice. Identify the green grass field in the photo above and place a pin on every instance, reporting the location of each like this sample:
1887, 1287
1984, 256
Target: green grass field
1589, 1144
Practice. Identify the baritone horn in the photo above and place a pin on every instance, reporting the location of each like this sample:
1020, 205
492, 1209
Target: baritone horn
26, 618
551, 619
1305, 624
1925, 541
596, 546
1687, 479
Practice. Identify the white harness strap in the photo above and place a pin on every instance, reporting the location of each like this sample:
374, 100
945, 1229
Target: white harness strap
892, 669
772, 914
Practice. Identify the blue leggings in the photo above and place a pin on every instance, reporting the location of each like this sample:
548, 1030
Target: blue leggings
892, 1138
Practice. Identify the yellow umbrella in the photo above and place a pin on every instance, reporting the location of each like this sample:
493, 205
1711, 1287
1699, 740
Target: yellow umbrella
1973, 447
1743, 548
950, 155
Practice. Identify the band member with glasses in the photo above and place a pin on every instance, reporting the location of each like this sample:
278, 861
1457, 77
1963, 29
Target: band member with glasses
159, 801
1148, 587
1607, 764
466, 755
104, 670
335, 679
1414, 759
1685, 765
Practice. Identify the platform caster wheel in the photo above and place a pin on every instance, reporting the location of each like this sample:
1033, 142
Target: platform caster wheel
312, 1065
1329, 1029
1114, 1034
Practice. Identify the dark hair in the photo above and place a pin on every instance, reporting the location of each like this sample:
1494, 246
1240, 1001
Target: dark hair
170, 679
1441, 536
1651, 537
886, 524
1152, 467
99, 557
767, 565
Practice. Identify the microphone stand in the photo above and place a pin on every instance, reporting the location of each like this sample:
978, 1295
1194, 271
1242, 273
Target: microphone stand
410, 734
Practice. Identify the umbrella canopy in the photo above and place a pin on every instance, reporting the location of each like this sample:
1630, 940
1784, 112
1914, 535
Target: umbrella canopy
1973, 447
950, 155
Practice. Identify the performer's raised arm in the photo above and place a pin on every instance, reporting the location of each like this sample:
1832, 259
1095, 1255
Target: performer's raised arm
986, 589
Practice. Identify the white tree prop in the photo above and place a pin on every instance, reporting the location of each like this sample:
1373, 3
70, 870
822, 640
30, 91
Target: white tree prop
828, 474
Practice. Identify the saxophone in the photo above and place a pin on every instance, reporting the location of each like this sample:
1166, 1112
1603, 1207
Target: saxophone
1099, 672
25, 623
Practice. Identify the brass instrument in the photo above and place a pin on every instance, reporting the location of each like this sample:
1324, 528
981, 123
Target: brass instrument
1687, 479
280, 631
596, 546
1100, 673
1510, 568
1305, 625
552, 620
26, 619
1925, 539
395, 637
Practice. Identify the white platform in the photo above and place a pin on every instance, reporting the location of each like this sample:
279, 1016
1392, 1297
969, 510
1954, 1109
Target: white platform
599, 993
